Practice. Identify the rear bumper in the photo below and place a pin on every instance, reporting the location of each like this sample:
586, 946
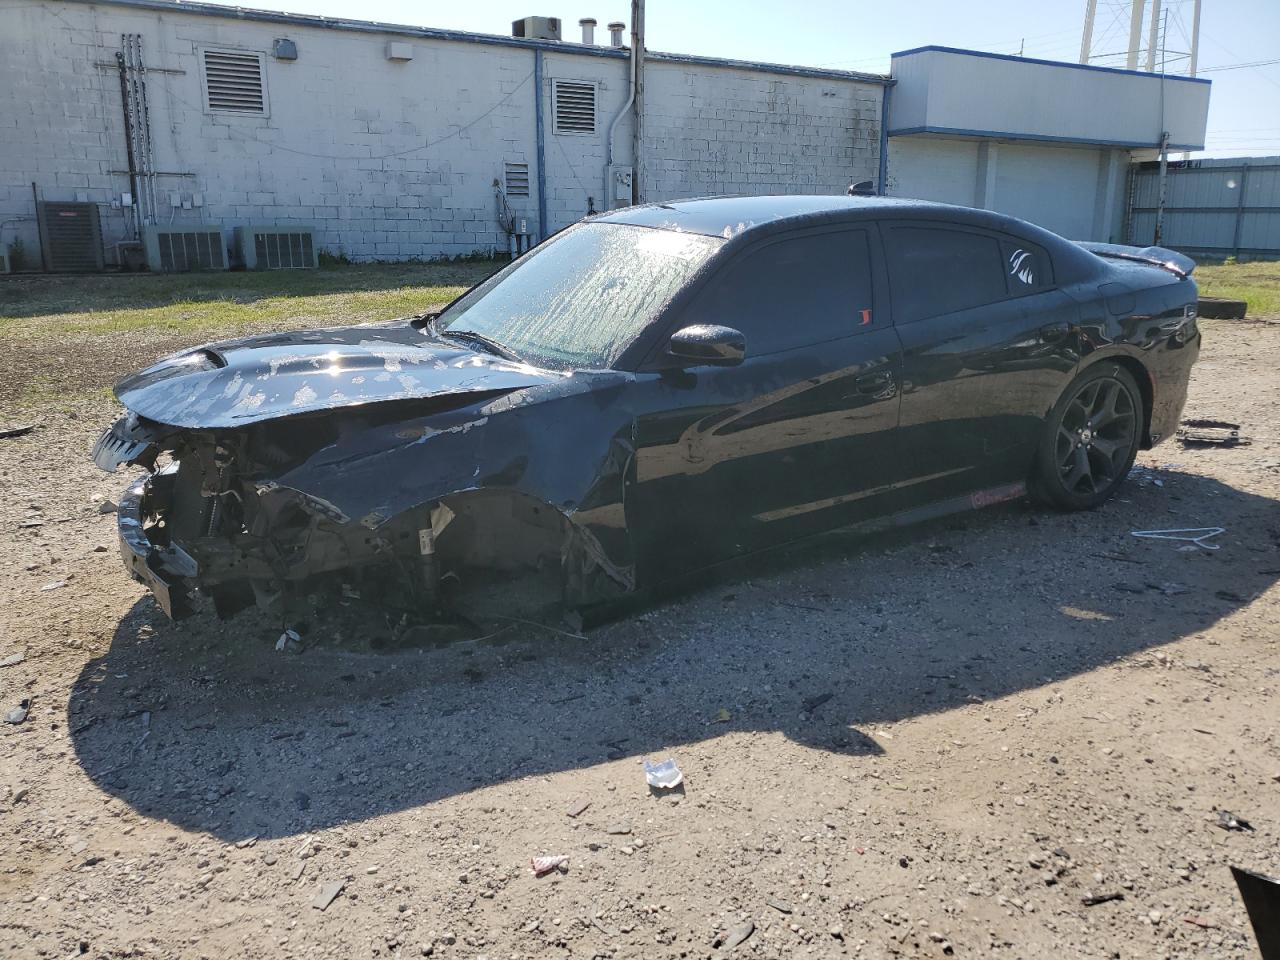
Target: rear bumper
143, 559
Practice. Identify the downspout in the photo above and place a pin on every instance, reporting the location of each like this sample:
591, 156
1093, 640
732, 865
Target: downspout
541, 145
882, 183
637, 89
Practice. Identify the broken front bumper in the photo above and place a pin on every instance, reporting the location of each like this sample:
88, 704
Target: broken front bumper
150, 565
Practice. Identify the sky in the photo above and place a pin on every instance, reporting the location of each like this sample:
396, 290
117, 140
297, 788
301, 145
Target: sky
1244, 106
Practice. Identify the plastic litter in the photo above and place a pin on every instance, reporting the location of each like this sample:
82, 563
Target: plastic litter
289, 640
544, 865
664, 775
1197, 536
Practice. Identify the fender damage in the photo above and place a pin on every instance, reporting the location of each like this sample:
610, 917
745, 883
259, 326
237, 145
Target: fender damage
426, 500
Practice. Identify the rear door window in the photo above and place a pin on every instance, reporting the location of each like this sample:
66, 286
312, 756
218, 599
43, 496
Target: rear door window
793, 292
939, 270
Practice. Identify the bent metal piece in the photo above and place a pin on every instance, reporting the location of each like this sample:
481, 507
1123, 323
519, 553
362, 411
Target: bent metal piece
1197, 535
1261, 896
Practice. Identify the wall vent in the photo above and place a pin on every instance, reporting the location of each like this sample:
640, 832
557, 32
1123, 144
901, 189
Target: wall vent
517, 177
71, 236
573, 103
277, 248
233, 81
183, 249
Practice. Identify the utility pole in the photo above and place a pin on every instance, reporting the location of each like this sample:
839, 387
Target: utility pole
1086, 42
637, 47
1135, 33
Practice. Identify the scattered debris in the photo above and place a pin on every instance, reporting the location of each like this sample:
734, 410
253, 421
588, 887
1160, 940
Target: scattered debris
290, 640
56, 585
736, 936
327, 894
1211, 433
578, 807
722, 716
780, 905
7, 433
544, 865
13, 660
1093, 901
106, 507
1229, 821
664, 775
18, 713
1197, 536
618, 829
1199, 922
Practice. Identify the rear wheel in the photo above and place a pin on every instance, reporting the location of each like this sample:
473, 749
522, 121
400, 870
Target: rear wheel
1090, 440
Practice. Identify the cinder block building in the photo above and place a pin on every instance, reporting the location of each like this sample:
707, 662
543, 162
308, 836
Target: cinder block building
184, 135
387, 142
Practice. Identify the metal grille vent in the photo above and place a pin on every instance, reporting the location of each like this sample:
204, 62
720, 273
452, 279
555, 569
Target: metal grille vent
72, 237
574, 106
233, 81
517, 176
283, 251
182, 252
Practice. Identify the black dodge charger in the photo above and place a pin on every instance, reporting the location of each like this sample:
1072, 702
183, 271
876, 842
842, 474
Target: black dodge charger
649, 392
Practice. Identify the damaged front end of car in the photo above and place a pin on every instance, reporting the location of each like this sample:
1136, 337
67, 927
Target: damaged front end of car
426, 505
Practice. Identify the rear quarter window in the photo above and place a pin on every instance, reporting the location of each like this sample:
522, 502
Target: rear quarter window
1027, 266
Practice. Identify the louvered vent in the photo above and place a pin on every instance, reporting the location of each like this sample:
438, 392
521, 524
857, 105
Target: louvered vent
233, 81
574, 106
182, 250
517, 175
72, 237
276, 248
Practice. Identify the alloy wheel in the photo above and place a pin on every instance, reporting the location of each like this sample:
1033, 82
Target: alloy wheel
1096, 436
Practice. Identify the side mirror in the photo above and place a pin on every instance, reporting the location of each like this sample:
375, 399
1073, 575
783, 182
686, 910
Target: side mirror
708, 344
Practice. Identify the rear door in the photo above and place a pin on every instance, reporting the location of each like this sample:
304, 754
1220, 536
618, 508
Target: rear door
799, 436
988, 345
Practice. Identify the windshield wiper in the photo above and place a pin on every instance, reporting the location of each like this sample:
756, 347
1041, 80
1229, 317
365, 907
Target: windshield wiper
471, 337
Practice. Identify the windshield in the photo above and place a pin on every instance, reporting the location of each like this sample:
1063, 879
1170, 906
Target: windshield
579, 299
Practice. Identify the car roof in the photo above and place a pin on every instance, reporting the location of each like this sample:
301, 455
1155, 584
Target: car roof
731, 216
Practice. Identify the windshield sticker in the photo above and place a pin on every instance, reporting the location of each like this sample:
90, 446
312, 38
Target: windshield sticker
1021, 266
671, 244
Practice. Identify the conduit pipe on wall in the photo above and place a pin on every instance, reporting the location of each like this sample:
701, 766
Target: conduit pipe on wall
613, 127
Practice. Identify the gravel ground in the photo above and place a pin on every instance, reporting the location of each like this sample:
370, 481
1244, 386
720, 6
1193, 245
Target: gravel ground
935, 743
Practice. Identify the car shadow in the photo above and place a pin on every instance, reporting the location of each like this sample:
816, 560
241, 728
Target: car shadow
203, 725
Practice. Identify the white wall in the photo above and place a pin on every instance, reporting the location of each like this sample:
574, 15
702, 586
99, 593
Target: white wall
1073, 191
955, 91
388, 160
713, 130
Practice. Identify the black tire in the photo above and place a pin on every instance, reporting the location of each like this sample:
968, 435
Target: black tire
1090, 439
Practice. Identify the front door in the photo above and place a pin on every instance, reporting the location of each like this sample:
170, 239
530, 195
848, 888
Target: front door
797, 438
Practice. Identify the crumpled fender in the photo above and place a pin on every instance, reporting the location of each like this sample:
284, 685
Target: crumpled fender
576, 461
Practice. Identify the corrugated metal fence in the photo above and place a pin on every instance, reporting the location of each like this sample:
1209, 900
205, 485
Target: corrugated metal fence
1214, 208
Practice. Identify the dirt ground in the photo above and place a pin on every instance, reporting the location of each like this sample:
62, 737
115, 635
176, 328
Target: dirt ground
936, 743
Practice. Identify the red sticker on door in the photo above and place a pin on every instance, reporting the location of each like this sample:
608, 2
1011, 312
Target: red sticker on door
866, 317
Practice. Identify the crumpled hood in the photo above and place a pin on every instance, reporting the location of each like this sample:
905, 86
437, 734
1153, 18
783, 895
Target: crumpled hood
239, 382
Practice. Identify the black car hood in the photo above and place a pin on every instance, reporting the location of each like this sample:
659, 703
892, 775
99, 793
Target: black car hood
239, 382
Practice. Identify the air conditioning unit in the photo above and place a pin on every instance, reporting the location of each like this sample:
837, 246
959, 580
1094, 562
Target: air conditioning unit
277, 248
182, 249
537, 28
71, 236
